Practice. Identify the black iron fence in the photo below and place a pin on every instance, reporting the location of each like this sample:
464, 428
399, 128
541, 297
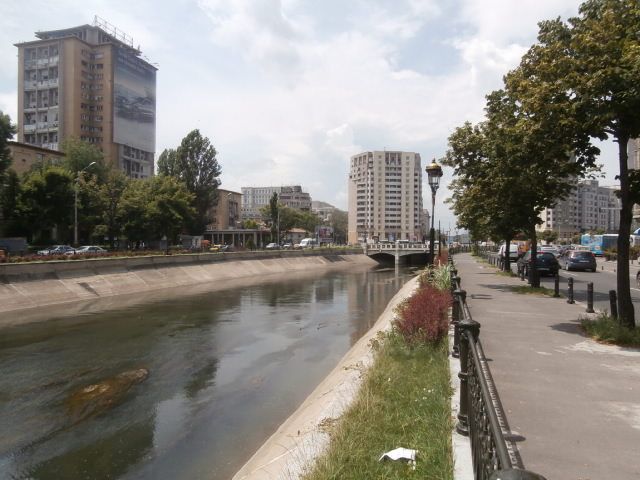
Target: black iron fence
481, 416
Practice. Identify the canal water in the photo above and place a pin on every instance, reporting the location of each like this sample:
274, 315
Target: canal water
225, 369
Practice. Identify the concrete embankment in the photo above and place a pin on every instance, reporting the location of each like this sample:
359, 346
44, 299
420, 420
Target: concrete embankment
302, 438
72, 287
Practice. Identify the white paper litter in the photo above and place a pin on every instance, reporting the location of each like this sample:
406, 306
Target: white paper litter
407, 454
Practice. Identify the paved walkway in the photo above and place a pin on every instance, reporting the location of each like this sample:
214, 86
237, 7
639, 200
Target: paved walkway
573, 404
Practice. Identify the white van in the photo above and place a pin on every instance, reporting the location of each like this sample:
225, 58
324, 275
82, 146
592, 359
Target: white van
513, 251
308, 243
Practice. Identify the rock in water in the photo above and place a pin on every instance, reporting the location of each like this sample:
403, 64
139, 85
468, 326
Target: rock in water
95, 399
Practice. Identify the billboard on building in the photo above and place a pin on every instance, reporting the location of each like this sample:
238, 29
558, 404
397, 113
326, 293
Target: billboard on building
134, 93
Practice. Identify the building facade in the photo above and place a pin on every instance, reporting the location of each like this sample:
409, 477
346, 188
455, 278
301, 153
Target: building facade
89, 82
255, 198
385, 197
589, 207
25, 156
225, 214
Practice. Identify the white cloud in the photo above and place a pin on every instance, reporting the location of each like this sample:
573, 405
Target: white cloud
288, 90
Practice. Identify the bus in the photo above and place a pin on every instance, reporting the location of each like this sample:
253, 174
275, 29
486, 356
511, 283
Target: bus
598, 244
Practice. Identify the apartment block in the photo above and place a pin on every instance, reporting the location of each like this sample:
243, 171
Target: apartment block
225, 214
89, 82
255, 198
633, 162
385, 197
589, 207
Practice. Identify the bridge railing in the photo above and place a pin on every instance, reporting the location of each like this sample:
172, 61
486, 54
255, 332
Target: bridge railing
481, 416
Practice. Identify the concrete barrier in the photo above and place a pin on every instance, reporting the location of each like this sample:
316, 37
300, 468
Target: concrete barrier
37, 285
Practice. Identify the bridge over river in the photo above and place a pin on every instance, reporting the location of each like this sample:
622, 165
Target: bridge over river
399, 252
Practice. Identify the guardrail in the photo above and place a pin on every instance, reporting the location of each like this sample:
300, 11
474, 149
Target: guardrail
481, 416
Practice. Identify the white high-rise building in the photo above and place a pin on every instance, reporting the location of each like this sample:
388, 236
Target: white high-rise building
385, 197
255, 198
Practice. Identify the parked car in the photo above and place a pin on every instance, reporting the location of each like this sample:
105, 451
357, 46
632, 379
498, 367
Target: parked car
546, 263
87, 250
578, 260
550, 249
57, 250
287, 246
272, 246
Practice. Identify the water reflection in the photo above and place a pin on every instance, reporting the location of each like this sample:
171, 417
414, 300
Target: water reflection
226, 368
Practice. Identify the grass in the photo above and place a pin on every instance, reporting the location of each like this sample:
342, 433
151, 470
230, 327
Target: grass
607, 330
403, 402
525, 289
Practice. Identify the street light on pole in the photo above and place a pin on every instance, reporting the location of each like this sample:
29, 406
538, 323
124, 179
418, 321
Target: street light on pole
75, 205
434, 173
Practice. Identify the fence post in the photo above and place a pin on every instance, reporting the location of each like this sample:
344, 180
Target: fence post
570, 295
613, 303
515, 474
556, 286
469, 332
590, 297
460, 297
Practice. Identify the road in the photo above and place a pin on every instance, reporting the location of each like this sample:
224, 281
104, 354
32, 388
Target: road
603, 281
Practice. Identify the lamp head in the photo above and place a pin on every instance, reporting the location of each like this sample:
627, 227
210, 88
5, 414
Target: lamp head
434, 173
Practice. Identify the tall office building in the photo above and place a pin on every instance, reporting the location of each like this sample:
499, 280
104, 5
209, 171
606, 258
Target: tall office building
588, 207
385, 197
255, 198
89, 82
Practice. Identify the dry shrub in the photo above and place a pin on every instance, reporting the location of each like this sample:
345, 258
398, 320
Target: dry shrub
423, 318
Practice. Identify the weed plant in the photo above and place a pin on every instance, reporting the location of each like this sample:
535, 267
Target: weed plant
605, 329
423, 318
403, 402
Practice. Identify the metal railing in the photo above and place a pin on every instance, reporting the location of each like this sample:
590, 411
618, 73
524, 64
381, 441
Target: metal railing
481, 416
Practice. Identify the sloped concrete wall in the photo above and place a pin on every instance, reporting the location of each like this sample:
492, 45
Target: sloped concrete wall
29, 286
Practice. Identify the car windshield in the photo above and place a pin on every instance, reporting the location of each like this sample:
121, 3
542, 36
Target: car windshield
545, 255
582, 254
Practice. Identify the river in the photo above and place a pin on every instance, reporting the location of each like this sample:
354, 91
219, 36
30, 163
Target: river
226, 368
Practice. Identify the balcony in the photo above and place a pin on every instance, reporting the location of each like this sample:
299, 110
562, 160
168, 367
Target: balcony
49, 83
30, 128
30, 84
50, 146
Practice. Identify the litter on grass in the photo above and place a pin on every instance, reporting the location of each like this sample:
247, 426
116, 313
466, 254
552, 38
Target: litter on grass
405, 454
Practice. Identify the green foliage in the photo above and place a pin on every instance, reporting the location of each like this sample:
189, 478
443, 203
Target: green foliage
111, 192
437, 276
340, 225
582, 77
608, 330
194, 163
155, 207
250, 224
404, 401
7, 130
549, 236
79, 155
47, 200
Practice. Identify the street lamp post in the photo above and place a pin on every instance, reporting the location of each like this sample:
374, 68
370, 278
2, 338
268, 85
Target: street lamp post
434, 173
75, 205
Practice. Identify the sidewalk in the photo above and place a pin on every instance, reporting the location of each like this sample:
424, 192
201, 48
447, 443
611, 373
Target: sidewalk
573, 405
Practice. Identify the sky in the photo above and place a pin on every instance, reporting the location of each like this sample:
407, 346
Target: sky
288, 90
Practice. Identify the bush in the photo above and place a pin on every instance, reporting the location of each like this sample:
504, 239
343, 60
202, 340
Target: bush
423, 318
607, 330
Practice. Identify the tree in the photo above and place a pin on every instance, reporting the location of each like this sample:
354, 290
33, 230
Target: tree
549, 236
111, 195
194, 163
7, 130
78, 155
9, 212
154, 208
250, 224
47, 200
340, 225
586, 73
